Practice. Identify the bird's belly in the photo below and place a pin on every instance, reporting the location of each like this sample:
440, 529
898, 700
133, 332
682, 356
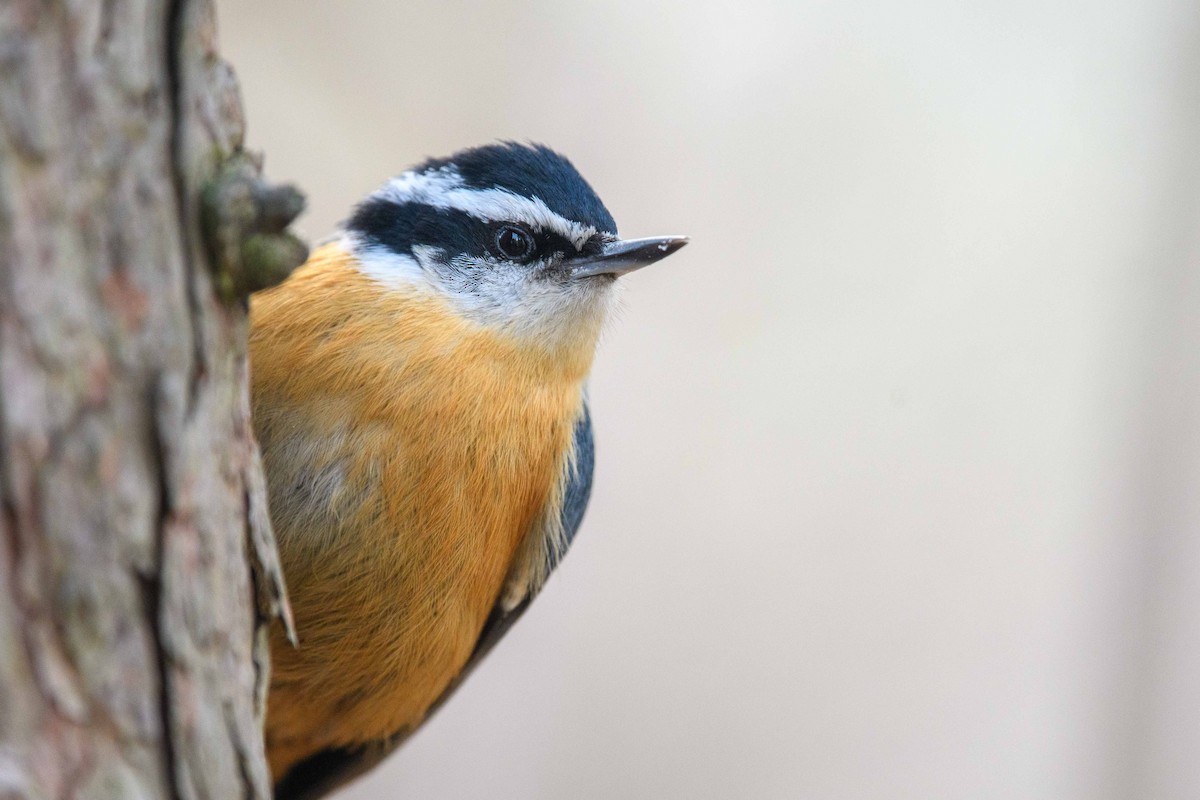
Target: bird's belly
392, 573
388, 679
375, 689
408, 454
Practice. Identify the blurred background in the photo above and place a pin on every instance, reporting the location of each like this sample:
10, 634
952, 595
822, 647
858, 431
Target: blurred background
898, 485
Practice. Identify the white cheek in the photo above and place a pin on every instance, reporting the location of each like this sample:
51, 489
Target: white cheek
563, 312
517, 301
500, 296
395, 270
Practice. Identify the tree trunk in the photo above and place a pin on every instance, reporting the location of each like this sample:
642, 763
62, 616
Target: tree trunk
134, 539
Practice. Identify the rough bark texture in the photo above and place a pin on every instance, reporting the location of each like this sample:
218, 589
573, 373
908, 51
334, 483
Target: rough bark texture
132, 655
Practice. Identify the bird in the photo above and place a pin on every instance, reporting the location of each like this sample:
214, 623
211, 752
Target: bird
418, 391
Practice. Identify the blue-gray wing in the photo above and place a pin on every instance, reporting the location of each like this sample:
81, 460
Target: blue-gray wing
328, 770
579, 481
575, 500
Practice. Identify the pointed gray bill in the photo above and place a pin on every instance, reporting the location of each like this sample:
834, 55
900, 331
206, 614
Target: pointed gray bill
625, 255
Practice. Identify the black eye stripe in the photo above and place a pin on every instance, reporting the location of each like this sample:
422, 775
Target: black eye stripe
593, 246
400, 227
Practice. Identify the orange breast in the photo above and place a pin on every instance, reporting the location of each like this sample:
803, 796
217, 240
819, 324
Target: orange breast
408, 453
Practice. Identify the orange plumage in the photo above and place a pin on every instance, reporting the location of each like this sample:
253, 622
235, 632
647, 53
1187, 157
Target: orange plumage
418, 395
409, 453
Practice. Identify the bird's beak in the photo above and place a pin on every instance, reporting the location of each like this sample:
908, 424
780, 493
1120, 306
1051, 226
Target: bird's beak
625, 255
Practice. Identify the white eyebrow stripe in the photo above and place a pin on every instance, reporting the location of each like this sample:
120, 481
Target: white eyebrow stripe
444, 188
420, 187
498, 205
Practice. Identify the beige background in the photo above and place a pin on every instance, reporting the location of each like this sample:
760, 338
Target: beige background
899, 461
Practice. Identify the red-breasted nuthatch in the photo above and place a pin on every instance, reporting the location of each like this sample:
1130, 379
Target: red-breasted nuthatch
418, 396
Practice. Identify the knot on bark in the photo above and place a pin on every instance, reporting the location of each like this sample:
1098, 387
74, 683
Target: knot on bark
245, 222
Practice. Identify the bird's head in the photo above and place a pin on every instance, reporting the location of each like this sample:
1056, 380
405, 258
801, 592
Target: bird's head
510, 236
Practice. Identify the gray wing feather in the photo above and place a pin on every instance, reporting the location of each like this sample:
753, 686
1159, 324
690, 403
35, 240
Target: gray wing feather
579, 482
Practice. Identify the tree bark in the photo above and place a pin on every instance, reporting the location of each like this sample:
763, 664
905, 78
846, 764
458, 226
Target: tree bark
137, 567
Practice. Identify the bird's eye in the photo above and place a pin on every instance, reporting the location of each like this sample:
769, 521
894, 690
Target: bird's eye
514, 243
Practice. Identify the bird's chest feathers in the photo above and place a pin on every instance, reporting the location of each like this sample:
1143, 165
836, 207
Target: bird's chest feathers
427, 437
465, 448
409, 455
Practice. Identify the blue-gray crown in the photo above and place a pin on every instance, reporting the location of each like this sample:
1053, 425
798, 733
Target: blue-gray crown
456, 204
533, 171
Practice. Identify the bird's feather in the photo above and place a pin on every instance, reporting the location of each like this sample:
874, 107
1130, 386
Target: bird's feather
326, 771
